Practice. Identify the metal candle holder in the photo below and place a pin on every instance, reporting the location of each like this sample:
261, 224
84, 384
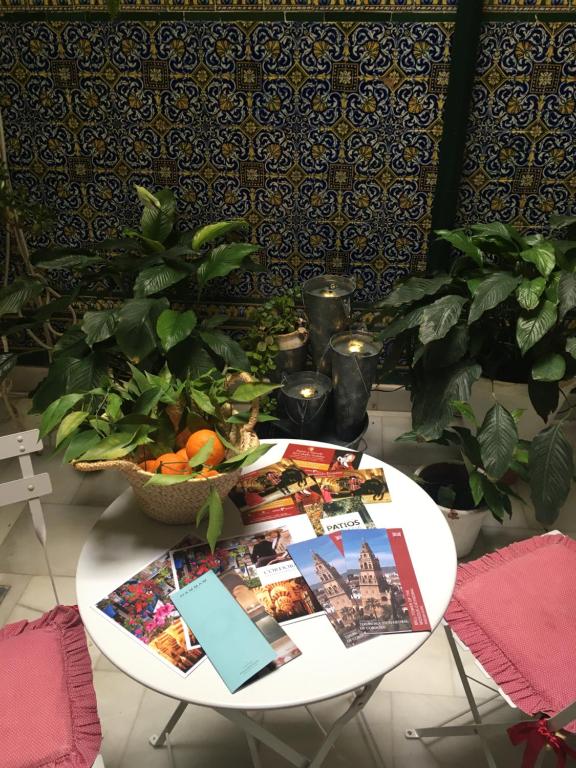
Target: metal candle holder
327, 302
304, 398
354, 360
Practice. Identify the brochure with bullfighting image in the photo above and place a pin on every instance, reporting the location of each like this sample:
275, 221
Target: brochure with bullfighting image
369, 485
319, 460
275, 483
142, 608
263, 564
382, 580
323, 566
307, 501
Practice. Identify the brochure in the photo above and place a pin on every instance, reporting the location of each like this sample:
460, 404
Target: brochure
142, 607
233, 643
341, 515
381, 576
305, 501
263, 563
275, 482
367, 484
316, 460
323, 565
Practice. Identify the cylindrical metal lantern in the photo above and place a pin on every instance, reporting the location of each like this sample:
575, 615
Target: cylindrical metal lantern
327, 303
304, 399
354, 360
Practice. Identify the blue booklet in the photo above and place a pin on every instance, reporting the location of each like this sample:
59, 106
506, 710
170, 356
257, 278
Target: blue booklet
230, 639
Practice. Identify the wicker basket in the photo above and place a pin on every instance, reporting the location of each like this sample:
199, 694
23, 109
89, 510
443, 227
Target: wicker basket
178, 504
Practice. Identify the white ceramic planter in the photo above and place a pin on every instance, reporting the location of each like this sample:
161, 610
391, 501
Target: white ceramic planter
465, 524
485, 392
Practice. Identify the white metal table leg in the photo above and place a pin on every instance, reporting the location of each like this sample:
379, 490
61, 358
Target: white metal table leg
258, 732
254, 751
160, 739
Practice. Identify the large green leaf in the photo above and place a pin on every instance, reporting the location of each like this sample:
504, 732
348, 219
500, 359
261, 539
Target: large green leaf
246, 392
212, 231
446, 351
439, 317
15, 296
557, 222
542, 256
113, 447
246, 458
136, 331
496, 500
529, 292
566, 293
147, 401
223, 260
155, 279
215, 518
70, 424
544, 397
80, 443
226, 348
99, 326
403, 323
551, 466
571, 346
498, 437
497, 230
157, 220
491, 292
551, 367
173, 327
475, 483
531, 329
433, 396
7, 362
461, 241
414, 289
56, 411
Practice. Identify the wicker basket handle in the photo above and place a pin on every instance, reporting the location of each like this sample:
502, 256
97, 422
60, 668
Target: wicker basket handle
96, 466
244, 378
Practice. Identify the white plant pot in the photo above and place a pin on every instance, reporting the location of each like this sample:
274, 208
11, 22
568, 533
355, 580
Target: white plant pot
486, 392
465, 525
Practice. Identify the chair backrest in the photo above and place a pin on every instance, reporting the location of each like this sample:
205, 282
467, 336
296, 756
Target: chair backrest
30, 487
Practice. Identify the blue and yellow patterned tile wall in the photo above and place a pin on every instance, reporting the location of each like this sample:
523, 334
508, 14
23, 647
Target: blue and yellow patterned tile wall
324, 136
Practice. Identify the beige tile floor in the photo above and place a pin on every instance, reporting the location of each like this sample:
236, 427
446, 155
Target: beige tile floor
423, 691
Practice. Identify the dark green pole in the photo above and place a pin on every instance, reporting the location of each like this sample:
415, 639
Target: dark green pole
456, 109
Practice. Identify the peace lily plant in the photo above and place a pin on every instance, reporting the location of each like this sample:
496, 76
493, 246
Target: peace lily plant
504, 310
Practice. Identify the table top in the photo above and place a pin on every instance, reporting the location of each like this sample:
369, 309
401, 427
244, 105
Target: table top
124, 540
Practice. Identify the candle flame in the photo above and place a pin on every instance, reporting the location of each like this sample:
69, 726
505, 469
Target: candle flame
308, 392
355, 346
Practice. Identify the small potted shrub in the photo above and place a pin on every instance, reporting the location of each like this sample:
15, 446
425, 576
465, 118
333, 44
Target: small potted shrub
180, 443
276, 341
504, 311
491, 454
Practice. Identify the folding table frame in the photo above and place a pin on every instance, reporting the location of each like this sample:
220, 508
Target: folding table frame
256, 733
479, 728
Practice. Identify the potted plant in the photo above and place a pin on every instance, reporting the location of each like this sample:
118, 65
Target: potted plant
180, 443
467, 489
505, 310
145, 329
276, 339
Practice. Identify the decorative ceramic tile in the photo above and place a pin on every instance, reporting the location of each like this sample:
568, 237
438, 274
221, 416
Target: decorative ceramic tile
519, 157
324, 136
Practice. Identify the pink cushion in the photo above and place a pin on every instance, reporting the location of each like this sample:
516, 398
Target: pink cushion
515, 610
48, 715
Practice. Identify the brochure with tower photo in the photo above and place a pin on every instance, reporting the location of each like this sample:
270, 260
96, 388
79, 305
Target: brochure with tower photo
382, 580
323, 566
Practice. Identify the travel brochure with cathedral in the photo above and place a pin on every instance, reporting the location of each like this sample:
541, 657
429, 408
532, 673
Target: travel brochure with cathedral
310, 548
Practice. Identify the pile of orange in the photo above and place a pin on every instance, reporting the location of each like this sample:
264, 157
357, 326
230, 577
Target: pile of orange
188, 444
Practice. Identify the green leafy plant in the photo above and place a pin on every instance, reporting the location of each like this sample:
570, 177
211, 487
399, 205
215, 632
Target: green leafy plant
143, 417
145, 330
279, 315
505, 310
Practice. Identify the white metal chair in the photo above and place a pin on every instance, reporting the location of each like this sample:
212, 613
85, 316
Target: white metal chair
29, 488
549, 726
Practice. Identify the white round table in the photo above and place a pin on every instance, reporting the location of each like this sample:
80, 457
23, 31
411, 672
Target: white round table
124, 540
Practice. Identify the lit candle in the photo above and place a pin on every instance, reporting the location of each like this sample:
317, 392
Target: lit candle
355, 346
308, 392
304, 400
325, 318
328, 292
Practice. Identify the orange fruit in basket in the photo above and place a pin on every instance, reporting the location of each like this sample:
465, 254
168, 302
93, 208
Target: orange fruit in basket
182, 438
198, 440
150, 465
208, 472
174, 464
